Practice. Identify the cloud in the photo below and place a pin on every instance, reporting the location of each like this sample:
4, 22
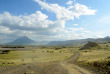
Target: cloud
69, 2
36, 24
63, 13
79, 9
40, 26
34, 21
75, 24
5, 30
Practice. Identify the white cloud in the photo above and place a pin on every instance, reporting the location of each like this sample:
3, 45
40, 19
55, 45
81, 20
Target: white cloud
75, 24
63, 13
5, 30
34, 21
75, 29
69, 2
38, 25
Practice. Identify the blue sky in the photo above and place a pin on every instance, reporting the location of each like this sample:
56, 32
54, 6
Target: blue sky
49, 20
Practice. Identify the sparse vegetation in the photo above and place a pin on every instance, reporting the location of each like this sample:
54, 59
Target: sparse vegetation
97, 58
39, 55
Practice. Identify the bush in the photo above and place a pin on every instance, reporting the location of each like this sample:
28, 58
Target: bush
5, 51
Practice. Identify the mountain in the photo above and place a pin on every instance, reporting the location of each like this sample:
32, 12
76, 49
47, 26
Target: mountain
27, 41
80, 41
24, 40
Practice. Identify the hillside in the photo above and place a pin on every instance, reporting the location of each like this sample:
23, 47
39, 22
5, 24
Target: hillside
89, 45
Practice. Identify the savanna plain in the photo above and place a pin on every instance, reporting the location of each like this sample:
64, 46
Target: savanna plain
55, 60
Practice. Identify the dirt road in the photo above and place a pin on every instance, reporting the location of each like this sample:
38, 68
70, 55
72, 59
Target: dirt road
63, 67
73, 68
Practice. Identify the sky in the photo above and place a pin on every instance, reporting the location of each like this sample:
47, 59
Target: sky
54, 20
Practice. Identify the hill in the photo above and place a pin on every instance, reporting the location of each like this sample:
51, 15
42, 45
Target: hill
89, 45
24, 40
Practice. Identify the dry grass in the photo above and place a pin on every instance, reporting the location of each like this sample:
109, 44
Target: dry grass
93, 55
35, 55
97, 58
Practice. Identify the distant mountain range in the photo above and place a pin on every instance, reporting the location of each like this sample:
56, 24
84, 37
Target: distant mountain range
24, 40
79, 42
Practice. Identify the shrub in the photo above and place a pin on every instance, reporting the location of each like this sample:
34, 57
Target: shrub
5, 51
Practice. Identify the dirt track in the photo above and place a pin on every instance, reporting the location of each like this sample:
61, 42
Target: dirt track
73, 68
64, 67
